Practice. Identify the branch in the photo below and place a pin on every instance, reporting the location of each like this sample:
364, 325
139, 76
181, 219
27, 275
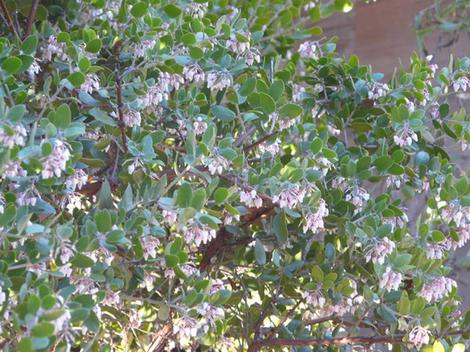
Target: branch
8, 19
339, 341
120, 111
247, 133
259, 141
31, 18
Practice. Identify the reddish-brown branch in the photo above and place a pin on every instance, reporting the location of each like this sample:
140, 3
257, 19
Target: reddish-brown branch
8, 18
120, 107
259, 141
31, 18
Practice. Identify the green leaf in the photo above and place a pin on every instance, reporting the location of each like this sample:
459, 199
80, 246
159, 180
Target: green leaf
196, 53
127, 200
280, 226
103, 220
16, 113
171, 260
188, 39
438, 347
77, 79
222, 113
25, 345
84, 64
404, 304
82, 261
260, 254
247, 87
184, 195
101, 116
316, 146
172, 10
93, 46
198, 199
63, 116
43, 330
105, 198
290, 110
12, 65
459, 347
267, 103
317, 273
30, 44
139, 9
220, 195
276, 90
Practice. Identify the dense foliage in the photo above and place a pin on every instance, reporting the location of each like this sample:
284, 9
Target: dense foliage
206, 175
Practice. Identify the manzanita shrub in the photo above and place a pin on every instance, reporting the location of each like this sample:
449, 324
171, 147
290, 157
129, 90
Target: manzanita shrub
206, 176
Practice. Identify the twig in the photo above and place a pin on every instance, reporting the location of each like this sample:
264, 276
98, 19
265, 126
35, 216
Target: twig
120, 106
31, 18
8, 19
247, 133
259, 141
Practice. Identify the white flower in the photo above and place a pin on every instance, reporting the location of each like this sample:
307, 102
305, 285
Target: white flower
380, 250
54, 47
210, 312
314, 221
25, 199
11, 136
437, 289
185, 328
272, 148
34, 69
143, 46
238, 47
84, 285
251, 57
111, 298
436, 250
461, 84
37, 268
358, 196
418, 336
66, 252
62, 322
434, 110
3, 297
290, 197
199, 126
134, 319
251, 199
314, 299
91, 84
150, 245
218, 80
199, 234
77, 180
297, 92
310, 5
196, 10
378, 90
132, 118
216, 286
309, 50
169, 216
391, 280
13, 169
410, 105
194, 73
405, 136
217, 165
56, 162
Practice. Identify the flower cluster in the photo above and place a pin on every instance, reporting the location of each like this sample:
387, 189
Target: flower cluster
391, 280
437, 289
380, 250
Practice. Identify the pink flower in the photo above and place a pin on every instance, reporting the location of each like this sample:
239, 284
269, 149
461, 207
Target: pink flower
314, 221
418, 336
391, 280
380, 250
290, 197
11, 136
437, 289
251, 199
56, 162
